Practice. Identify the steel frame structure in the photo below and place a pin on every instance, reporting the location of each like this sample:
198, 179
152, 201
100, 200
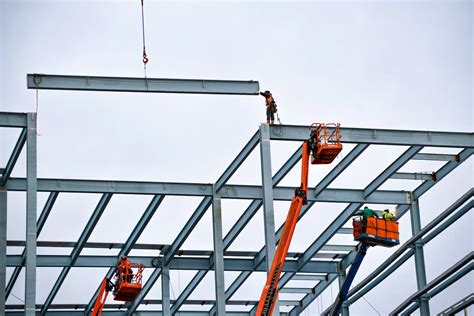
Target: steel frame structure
321, 263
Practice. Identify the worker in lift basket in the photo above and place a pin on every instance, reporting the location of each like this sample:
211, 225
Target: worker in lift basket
387, 215
271, 106
367, 212
124, 265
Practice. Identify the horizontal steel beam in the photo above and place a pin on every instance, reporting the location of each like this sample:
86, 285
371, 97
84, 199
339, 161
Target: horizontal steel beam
436, 157
297, 290
310, 277
156, 85
414, 176
199, 189
12, 119
150, 302
380, 136
180, 263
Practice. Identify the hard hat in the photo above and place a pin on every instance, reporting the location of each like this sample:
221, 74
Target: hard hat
123, 258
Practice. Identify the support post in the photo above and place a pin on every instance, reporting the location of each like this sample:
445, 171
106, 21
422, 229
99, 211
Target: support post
218, 252
419, 256
342, 278
3, 247
31, 192
268, 211
165, 290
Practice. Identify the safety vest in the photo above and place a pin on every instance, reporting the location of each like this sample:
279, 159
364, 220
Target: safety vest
388, 216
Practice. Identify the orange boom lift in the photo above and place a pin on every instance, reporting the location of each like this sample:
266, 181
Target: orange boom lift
323, 145
126, 287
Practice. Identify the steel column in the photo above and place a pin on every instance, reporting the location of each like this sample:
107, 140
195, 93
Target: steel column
268, 211
419, 256
218, 253
165, 290
342, 278
3, 247
31, 197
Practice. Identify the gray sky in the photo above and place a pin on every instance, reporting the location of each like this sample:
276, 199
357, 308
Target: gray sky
380, 64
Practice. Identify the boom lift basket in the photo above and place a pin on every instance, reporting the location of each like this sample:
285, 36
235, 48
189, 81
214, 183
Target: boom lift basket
376, 231
325, 142
128, 284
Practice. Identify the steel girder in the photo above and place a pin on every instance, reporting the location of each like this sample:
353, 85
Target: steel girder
380, 136
156, 85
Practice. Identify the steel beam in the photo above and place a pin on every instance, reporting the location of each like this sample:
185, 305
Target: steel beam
3, 247
86, 232
380, 136
181, 263
217, 237
31, 200
436, 157
48, 206
132, 239
465, 264
419, 256
13, 158
424, 176
12, 119
246, 192
157, 85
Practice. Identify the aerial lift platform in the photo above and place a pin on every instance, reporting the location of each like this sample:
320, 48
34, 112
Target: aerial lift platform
126, 287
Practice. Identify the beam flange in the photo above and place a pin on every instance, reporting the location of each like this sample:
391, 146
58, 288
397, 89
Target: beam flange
129, 84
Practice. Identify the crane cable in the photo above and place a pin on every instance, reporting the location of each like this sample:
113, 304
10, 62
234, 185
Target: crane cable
145, 57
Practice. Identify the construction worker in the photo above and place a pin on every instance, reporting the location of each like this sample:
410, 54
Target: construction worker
124, 270
367, 212
387, 215
271, 106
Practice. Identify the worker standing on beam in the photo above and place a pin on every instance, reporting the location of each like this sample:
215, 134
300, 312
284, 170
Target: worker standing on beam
271, 106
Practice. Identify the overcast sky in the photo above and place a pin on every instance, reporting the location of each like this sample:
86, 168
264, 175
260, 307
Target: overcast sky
374, 64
